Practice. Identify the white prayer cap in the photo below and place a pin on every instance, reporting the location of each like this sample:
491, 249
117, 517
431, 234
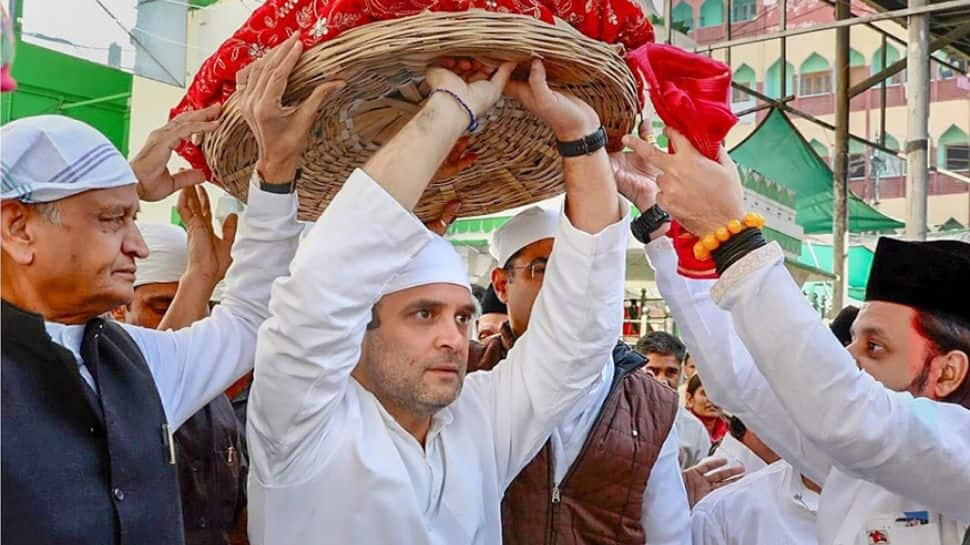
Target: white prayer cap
168, 254
528, 226
437, 263
50, 157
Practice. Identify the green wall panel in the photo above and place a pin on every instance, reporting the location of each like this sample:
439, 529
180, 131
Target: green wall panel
47, 80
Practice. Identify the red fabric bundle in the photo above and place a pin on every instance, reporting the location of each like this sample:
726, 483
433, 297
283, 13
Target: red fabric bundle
691, 94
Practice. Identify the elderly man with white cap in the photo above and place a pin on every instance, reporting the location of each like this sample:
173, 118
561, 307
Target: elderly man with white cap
363, 427
614, 457
89, 405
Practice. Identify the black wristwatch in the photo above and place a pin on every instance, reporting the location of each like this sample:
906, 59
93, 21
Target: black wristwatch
584, 146
647, 222
280, 189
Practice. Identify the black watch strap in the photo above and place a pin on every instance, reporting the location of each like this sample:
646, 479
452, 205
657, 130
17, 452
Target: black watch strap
647, 222
280, 189
584, 146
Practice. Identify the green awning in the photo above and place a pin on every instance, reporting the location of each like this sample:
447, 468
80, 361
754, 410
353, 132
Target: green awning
814, 214
779, 152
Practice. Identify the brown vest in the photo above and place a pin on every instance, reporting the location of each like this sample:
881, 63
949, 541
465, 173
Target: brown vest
600, 500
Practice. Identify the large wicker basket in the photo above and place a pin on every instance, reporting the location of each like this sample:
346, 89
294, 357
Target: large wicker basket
384, 63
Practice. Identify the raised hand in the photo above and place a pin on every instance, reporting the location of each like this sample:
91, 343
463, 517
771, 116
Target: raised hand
568, 117
707, 476
448, 215
282, 132
470, 80
155, 181
701, 194
209, 255
636, 177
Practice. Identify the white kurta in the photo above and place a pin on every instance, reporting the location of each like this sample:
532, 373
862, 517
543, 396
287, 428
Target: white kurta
329, 465
193, 365
771, 506
738, 454
665, 513
878, 452
694, 440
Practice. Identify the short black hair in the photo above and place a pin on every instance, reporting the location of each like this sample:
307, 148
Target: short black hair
694, 384
946, 332
663, 343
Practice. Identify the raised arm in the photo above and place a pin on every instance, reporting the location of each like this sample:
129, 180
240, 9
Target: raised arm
311, 344
867, 430
730, 376
209, 260
577, 317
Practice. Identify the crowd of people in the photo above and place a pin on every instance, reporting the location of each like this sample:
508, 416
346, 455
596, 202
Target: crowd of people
349, 388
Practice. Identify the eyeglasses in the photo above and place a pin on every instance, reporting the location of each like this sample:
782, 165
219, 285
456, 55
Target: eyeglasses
537, 269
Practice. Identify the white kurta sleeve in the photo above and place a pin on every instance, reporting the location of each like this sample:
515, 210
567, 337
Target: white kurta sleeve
193, 365
574, 325
318, 315
914, 447
706, 526
729, 374
666, 512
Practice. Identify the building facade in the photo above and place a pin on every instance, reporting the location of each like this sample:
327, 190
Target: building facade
878, 178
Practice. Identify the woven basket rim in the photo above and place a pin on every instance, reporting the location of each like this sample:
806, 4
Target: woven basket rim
571, 56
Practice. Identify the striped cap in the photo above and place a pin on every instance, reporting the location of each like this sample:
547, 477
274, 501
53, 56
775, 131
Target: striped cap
50, 157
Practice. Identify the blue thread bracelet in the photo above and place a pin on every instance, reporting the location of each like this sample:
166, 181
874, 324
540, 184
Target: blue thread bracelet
471, 126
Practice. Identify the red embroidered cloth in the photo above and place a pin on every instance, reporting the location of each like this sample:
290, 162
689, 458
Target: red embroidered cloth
689, 92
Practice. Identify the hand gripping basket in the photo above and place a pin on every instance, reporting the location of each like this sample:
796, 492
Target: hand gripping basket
384, 64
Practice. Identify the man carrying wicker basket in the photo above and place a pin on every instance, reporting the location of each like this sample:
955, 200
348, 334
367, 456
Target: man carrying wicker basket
363, 427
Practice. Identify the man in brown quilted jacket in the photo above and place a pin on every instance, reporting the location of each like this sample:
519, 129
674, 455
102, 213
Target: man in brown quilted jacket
609, 473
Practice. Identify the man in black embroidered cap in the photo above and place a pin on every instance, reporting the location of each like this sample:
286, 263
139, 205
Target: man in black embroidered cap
884, 424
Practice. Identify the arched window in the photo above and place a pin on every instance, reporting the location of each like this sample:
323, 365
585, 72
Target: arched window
892, 55
712, 13
815, 76
885, 164
743, 10
954, 150
683, 14
773, 80
745, 76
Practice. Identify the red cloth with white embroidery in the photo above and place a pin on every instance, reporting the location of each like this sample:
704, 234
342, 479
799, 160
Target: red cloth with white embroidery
665, 69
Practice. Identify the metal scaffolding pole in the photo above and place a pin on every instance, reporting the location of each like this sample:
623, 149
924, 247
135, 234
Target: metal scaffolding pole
848, 21
784, 49
840, 216
917, 126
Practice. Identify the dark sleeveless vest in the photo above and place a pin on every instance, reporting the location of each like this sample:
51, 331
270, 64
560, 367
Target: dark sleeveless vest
600, 499
79, 467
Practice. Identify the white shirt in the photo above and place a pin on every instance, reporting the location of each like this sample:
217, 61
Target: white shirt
694, 440
771, 506
878, 453
665, 511
193, 365
327, 464
738, 454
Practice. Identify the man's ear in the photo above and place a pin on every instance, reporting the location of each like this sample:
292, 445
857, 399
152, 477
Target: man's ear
500, 283
954, 367
15, 231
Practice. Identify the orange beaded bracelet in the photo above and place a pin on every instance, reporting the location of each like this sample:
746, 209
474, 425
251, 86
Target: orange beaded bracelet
712, 241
